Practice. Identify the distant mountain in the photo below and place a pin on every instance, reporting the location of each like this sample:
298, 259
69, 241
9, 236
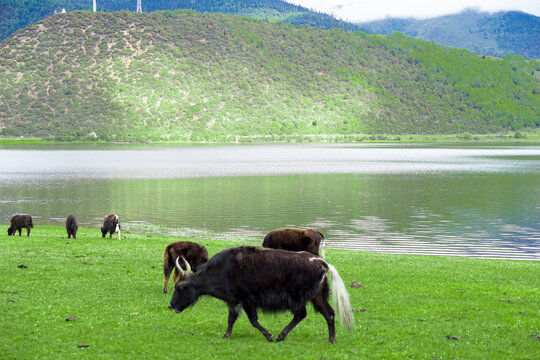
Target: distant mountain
17, 14
509, 32
189, 76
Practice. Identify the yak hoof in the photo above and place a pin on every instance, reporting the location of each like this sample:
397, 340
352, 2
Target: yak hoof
332, 340
270, 337
226, 336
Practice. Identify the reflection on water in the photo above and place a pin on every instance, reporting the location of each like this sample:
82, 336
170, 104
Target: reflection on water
478, 202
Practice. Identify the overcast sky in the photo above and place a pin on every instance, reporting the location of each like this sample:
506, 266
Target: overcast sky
366, 10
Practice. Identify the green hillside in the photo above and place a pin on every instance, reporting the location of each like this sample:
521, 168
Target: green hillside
17, 14
187, 76
498, 34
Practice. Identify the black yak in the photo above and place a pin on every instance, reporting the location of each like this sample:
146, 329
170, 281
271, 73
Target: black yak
296, 240
195, 254
18, 222
72, 226
111, 224
249, 278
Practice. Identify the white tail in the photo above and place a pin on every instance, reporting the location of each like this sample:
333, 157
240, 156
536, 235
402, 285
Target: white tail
322, 247
340, 299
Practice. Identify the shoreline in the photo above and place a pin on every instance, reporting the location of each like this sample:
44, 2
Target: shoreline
518, 136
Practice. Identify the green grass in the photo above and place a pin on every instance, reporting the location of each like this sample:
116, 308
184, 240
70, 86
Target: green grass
22, 141
520, 136
114, 289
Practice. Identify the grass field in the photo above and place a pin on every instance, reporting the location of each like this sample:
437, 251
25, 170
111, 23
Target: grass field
523, 136
410, 307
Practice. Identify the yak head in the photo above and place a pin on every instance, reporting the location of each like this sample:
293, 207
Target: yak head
185, 293
10, 231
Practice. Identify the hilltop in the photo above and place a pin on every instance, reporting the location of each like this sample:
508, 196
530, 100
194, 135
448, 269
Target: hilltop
17, 14
497, 34
188, 76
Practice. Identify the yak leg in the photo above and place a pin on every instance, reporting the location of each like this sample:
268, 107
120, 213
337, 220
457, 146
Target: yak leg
167, 271
20, 229
234, 311
321, 305
299, 315
28, 231
251, 313
176, 276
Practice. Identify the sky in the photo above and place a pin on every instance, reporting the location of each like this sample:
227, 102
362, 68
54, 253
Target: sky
367, 10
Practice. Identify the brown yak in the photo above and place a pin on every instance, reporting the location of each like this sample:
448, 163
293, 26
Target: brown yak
296, 240
194, 253
18, 222
111, 224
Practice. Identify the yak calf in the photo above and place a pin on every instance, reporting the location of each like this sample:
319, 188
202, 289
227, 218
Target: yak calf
194, 253
18, 222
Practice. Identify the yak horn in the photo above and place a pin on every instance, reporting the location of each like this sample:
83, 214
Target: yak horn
188, 267
180, 270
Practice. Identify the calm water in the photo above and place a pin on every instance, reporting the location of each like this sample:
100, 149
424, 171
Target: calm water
476, 201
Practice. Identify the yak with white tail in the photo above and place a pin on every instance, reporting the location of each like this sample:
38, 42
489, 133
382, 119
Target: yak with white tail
252, 278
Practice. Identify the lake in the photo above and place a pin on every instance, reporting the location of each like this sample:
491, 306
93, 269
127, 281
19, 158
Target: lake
438, 199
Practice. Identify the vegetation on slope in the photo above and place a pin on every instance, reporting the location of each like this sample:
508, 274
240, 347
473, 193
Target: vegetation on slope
188, 76
498, 34
17, 14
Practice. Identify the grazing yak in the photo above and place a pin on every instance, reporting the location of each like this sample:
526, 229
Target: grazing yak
273, 280
111, 224
296, 240
72, 226
195, 254
18, 222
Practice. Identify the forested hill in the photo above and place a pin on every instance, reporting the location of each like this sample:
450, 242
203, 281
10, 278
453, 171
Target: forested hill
509, 32
188, 76
17, 14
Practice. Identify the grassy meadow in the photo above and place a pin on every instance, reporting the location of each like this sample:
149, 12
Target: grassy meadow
103, 298
517, 136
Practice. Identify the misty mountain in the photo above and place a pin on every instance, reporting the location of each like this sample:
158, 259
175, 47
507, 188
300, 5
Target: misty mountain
497, 34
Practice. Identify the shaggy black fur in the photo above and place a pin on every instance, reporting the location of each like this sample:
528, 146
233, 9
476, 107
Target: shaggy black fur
253, 277
72, 226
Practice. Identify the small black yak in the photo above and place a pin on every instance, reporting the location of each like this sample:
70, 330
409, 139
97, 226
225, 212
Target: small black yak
18, 222
111, 224
195, 254
72, 226
296, 240
250, 278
